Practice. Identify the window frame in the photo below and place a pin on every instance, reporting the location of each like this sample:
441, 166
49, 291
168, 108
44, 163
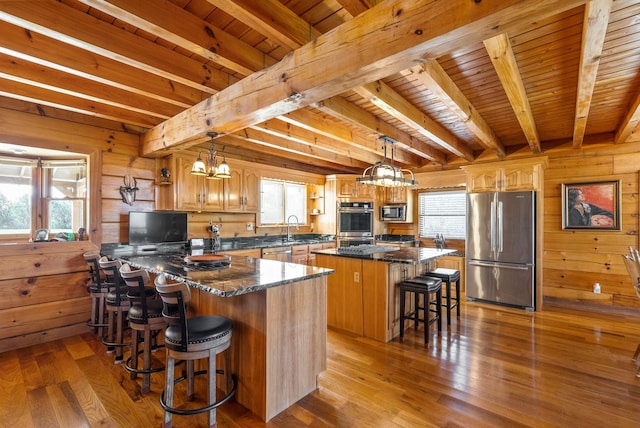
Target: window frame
40, 202
442, 214
302, 219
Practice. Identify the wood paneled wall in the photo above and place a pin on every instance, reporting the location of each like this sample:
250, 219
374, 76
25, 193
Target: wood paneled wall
576, 259
43, 294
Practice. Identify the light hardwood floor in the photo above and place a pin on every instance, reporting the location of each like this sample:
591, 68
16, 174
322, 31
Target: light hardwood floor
496, 367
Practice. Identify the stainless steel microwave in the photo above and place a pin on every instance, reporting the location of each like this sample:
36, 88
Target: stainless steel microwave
396, 212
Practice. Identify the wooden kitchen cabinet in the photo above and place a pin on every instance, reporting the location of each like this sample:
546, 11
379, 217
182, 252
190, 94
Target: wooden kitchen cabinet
242, 189
344, 293
363, 295
348, 187
196, 193
250, 252
522, 174
300, 254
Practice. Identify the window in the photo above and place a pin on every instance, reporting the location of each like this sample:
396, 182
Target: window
281, 199
42, 194
442, 212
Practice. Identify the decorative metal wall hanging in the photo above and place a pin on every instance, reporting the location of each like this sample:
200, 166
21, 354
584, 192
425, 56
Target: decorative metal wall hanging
128, 191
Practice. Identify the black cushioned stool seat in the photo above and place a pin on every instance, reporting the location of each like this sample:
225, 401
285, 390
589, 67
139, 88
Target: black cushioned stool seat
431, 291
448, 276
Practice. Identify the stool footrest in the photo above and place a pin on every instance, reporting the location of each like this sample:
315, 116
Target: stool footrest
218, 403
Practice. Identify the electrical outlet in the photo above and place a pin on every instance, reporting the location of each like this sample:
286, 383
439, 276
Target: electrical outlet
356, 277
249, 226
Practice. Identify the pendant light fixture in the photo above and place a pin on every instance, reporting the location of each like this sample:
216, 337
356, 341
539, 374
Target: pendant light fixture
387, 174
209, 167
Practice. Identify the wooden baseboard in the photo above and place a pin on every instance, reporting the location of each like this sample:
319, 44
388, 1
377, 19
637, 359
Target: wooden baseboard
26, 340
581, 305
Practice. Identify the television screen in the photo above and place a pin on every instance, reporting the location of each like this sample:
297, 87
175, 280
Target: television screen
157, 227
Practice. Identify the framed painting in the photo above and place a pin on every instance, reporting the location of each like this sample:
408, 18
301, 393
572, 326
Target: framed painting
594, 205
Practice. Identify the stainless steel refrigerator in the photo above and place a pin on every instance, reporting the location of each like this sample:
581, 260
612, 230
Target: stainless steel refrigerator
500, 248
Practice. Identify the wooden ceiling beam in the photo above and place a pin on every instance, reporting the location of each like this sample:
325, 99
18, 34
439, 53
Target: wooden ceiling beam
359, 51
176, 25
56, 20
385, 98
630, 122
351, 113
293, 147
19, 70
272, 19
76, 61
293, 28
504, 62
594, 30
289, 132
25, 91
244, 149
339, 132
433, 76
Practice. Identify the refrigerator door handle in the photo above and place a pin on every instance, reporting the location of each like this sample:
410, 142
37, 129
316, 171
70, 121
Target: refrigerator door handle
483, 264
500, 228
492, 231
500, 265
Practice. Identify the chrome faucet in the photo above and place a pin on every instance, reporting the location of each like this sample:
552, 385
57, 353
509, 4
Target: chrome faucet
215, 236
289, 236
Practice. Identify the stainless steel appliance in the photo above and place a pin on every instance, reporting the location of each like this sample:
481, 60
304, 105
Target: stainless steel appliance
354, 223
500, 248
396, 212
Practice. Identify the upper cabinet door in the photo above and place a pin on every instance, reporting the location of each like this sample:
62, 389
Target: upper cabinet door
189, 192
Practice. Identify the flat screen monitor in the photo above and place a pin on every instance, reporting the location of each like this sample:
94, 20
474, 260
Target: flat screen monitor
157, 227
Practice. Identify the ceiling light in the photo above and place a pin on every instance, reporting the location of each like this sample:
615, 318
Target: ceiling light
210, 168
387, 174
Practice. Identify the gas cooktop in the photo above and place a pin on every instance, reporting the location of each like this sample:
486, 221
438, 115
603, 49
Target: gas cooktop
366, 249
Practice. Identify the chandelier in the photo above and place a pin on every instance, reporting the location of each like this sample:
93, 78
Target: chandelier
387, 174
210, 169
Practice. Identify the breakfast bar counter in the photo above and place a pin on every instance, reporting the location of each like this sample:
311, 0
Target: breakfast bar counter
278, 310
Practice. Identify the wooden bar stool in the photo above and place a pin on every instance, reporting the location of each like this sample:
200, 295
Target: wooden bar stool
117, 304
431, 291
145, 318
190, 339
448, 276
98, 290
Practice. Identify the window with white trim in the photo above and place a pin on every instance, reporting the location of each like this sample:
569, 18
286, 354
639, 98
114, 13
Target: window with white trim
281, 199
442, 213
42, 194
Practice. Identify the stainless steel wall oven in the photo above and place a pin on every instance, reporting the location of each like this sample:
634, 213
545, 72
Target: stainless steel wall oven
355, 223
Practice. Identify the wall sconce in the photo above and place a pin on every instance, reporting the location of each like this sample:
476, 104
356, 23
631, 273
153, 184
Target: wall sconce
209, 167
128, 191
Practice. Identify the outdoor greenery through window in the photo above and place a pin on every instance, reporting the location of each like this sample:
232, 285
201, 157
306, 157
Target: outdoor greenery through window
442, 213
42, 194
281, 199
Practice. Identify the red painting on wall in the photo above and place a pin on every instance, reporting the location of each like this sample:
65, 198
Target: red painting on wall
593, 205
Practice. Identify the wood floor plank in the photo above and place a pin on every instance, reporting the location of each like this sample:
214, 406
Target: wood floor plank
495, 367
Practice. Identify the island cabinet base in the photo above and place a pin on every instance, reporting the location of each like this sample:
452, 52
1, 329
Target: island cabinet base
278, 344
363, 296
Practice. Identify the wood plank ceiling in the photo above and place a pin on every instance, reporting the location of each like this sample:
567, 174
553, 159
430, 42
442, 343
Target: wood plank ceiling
312, 84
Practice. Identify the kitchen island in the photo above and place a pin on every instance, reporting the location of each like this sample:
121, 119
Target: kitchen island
278, 310
363, 295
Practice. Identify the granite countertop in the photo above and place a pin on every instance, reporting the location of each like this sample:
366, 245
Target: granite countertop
395, 238
226, 244
243, 274
411, 255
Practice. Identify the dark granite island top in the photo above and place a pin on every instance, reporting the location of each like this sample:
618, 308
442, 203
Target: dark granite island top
243, 275
410, 255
